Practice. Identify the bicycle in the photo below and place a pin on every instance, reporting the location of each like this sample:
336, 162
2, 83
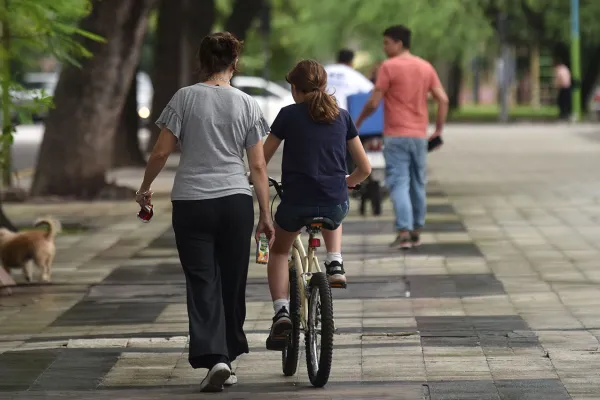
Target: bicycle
311, 304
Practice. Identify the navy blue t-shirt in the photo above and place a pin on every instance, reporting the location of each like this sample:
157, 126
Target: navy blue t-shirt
314, 156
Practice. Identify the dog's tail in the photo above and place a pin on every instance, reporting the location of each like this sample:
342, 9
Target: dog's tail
54, 226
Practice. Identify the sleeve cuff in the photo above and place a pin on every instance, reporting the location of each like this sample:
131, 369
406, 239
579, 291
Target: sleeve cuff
256, 132
170, 119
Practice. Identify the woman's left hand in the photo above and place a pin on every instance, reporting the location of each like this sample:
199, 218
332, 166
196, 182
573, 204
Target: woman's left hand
143, 197
265, 225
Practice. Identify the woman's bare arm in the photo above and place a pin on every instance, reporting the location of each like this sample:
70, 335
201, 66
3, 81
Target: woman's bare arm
363, 165
270, 147
160, 154
259, 177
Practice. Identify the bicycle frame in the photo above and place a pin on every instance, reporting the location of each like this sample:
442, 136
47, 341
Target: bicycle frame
316, 319
307, 261
309, 264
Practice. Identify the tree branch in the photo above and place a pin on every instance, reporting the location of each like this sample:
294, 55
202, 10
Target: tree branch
241, 18
535, 20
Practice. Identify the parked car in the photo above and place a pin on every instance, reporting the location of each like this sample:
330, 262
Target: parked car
270, 96
35, 82
41, 80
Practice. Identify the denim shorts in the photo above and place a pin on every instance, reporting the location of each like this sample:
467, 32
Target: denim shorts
291, 217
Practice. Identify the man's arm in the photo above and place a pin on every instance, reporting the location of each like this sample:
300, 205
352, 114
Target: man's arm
370, 107
441, 98
381, 86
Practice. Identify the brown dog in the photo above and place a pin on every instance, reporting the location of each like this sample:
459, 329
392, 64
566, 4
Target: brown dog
19, 249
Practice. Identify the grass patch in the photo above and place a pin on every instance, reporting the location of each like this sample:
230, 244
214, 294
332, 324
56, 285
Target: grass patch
491, 113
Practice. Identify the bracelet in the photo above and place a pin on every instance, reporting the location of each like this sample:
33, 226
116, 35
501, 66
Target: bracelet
146, 193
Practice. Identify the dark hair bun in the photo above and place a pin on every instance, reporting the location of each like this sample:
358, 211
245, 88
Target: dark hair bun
218, 52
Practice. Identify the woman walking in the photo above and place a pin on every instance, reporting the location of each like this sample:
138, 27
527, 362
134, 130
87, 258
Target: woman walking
213, 212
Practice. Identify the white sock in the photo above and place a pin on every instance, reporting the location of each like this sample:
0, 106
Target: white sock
280, 303
334, 257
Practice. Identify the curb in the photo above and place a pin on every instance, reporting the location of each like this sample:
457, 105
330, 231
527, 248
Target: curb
24, 173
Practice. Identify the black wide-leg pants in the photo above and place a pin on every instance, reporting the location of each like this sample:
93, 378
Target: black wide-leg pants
213, 241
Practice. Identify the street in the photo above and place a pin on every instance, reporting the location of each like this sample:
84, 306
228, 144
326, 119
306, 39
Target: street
500, 302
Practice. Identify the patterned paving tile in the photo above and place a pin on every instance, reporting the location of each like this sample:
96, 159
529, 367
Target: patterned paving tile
406, 324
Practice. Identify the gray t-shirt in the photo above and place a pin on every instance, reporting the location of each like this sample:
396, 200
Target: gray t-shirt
214, 125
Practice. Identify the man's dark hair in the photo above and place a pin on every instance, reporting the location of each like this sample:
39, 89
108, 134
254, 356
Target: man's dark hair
399, 33
345, 56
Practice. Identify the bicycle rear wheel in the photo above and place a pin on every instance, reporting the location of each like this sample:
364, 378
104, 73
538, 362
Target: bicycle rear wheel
289, 355
320, 329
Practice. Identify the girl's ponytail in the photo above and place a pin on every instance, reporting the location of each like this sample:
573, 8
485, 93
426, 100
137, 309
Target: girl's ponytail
322, 106
310, 78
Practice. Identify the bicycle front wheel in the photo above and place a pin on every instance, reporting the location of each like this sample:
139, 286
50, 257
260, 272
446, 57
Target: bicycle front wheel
289, 355
319, 336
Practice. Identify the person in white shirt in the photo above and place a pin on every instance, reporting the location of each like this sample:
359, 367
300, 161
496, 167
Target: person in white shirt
343, 80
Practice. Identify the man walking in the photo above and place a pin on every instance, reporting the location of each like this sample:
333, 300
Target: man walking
404, 82
343, 80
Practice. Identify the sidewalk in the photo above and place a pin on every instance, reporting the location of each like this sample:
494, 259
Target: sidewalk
501, 301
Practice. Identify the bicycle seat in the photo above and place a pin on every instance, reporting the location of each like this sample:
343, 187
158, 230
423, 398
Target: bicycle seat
319, 222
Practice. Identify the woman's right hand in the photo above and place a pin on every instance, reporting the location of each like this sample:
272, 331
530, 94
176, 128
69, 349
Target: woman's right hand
143, 197
265, 225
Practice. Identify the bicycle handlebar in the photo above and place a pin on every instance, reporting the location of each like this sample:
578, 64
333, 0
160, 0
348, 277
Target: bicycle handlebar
277, 186
279, 190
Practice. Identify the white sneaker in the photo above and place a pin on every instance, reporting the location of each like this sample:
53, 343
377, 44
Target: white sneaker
232, 380
215, 378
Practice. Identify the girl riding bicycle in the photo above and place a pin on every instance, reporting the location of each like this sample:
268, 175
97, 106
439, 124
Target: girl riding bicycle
317, 135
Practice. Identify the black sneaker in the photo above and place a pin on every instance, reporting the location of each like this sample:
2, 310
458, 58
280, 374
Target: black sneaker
403, 242
335, 272
281, 328
415, 238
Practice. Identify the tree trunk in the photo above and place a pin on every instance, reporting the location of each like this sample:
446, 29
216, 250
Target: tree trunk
590, 75
5, 279
240, 20
76, 151
454, 84
4, 221
166, 78
200, 18
126, 150
534, 76
181, 27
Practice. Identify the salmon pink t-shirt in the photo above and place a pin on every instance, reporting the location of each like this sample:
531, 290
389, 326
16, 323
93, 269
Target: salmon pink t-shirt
406, 81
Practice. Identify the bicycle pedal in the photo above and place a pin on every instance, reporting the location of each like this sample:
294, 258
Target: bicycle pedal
338, 285
276, 345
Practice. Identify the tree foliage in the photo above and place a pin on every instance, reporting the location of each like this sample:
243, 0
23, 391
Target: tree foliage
318, 28
31, 27
48, 26
545, 22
